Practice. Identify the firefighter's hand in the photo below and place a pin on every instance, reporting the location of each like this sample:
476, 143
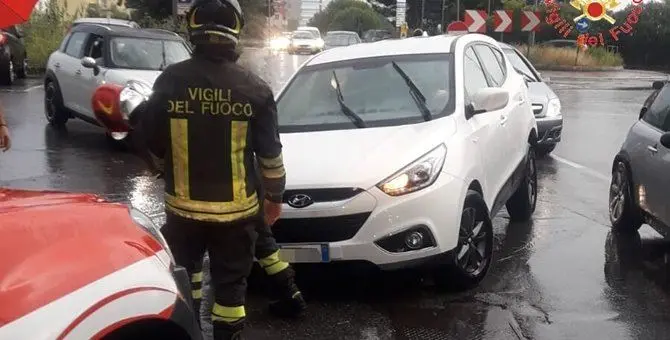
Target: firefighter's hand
272, 212
5, 141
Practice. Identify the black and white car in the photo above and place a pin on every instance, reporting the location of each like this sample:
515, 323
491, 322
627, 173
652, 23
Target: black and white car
93, 54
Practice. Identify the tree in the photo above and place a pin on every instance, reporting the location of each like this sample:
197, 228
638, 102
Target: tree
93, 10
156, 9
330, 17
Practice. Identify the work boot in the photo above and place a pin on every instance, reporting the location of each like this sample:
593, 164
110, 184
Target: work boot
229, 330
286, 300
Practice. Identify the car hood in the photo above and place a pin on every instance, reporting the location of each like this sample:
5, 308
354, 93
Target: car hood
120, 77
540, 93
358, 157
11, 199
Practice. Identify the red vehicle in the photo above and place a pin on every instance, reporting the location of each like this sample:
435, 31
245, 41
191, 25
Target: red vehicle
74, 266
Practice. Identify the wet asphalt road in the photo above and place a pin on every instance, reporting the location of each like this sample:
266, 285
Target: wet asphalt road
562, 276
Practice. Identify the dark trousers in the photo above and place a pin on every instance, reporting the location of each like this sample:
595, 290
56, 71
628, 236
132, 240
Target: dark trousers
231, 254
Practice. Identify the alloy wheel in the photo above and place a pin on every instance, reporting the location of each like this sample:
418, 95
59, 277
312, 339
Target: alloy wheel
531, 175
471, 256
618, 190
49, 106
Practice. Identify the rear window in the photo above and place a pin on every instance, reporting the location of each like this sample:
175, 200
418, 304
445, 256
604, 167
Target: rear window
339, 39
372, 88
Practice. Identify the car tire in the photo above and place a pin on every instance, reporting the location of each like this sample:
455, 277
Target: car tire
21, 72
544, 150
524, 200
624, 213
7, 73
54, 110
469, 262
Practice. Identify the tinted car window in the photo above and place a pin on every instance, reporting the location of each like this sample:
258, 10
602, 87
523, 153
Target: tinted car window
658, 114
146, 54
519, 63
495, 70
473, 74
76, 44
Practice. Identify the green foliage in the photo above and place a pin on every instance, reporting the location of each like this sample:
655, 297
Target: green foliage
349, 15
93, 10
44, 32
545, 56
156, 9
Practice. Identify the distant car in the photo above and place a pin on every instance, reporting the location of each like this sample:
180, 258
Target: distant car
545, 103
94, 54
13, 55
640, 183
104, 272
313, 30
402, 151
560, 43
376, 35
305, 42
106, 22
341, 38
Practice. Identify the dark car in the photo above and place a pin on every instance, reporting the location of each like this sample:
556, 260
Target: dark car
13, 55
376, 35
640, 183
341, 38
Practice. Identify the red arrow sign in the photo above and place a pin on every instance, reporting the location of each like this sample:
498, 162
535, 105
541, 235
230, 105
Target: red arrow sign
502, 21
457, 27
530, 21
476, 20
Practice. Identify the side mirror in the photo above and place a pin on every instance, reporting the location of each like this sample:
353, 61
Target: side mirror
489, 99
89, 62
657, 85
642, 112
665, 140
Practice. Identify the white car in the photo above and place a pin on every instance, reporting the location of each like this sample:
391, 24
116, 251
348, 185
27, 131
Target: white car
399, 153
94, 54
305, 42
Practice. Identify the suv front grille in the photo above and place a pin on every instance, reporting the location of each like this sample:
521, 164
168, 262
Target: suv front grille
324, 195
318, 229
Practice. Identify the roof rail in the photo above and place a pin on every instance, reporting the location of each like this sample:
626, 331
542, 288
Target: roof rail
94, 24
160, 30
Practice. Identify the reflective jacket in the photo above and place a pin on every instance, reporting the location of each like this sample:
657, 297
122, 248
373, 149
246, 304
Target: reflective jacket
208, 120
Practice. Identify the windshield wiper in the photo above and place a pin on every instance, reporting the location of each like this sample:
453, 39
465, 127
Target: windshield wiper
164, 62
416, 94
525, 75
345, 109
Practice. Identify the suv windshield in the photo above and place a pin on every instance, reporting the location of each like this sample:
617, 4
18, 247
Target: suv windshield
303, 35
371, 88
146, 54
339, 39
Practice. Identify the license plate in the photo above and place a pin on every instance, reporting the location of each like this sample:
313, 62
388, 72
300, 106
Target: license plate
312, 253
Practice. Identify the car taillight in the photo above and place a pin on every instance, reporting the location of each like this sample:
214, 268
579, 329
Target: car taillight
3, 38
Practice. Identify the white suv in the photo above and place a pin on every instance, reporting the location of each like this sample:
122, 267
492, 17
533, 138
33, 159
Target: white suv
94, 54
400, 152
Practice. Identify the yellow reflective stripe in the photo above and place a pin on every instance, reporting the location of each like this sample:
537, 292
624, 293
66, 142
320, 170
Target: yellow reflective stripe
229, 313
273, 173
208, 217
197, 293
179, 139
196, 277
271, 162
272, 264
216, 318
237, 146
212, 207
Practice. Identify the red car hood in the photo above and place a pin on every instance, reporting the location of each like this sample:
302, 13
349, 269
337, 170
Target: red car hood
54, 243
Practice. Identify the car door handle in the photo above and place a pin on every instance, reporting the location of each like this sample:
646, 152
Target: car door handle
78, 72
652, 148
57, 65
503, 119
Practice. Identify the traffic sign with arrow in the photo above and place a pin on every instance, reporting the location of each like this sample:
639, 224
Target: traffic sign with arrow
476, 20
502, 21
530, 21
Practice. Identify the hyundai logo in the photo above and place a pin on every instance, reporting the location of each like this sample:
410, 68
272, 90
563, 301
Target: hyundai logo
300, 201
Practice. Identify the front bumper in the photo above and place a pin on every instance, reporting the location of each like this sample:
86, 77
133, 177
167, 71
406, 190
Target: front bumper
549, 130
304, 49
372, 226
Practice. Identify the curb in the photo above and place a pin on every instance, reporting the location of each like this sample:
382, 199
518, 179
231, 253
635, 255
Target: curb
578, 68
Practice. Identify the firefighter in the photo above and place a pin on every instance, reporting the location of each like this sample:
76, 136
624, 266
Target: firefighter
207, 121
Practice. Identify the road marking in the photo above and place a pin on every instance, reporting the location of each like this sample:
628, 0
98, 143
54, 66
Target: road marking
23, 90
583, 168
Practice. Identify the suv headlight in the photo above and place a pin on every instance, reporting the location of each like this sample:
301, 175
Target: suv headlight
145, 222
553, 108
320, 43
418, 175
